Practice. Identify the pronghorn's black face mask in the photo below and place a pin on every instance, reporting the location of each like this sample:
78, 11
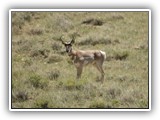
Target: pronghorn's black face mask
68, 46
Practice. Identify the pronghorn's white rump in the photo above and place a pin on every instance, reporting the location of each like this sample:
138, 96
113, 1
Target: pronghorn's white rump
104, 54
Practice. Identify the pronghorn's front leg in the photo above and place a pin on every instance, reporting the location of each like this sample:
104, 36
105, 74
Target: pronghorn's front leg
79, 68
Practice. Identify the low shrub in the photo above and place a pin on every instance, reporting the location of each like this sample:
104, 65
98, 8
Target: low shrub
143, 104
28, 62
113, 93
40, 53
41, 103
56, 47
54, 74
115, 103
54, 58
97, 103
95, 41
19, 95
37, 81
117, 17
101, 41
18, 21
73, 84
121, 56
36, 31
22, 45
118, 56
93, 21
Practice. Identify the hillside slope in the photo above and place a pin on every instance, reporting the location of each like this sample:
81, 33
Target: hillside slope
43, 76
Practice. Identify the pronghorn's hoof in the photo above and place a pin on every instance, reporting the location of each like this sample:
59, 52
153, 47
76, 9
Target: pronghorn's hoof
99, 80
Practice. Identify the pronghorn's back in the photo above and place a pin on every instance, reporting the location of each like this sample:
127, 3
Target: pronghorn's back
95, 54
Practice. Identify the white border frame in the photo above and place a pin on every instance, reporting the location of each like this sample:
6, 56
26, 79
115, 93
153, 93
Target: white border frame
76, 10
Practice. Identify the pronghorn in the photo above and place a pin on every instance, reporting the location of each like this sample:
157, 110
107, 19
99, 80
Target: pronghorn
82, 58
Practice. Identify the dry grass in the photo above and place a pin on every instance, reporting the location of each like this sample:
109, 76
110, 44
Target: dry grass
44, 77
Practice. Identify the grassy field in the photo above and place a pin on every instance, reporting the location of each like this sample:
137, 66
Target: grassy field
43, 76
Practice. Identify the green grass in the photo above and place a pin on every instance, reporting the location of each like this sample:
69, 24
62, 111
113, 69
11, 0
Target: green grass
43, 76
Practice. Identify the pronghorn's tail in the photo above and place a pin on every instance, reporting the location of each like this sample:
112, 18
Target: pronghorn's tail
103, 54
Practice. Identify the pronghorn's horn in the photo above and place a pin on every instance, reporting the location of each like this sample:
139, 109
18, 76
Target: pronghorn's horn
73, 40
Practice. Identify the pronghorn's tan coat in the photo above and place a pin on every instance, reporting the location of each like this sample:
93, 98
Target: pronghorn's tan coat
82, 58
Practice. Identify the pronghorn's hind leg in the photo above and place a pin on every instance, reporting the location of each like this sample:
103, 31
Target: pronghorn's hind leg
98, 65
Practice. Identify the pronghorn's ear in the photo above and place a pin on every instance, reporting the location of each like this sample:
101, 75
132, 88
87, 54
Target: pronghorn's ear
73, 40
